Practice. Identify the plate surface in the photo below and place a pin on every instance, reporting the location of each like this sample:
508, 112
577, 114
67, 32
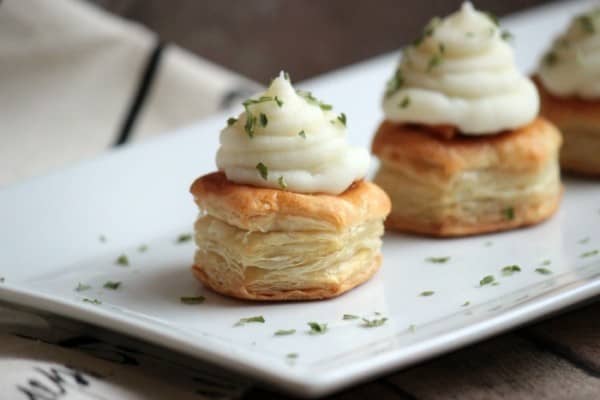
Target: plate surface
49, 243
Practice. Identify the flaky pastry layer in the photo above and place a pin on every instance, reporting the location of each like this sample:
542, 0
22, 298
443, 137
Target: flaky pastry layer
579, 123
263, 209
463, 186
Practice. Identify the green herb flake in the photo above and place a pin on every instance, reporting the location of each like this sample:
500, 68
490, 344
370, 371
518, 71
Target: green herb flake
282, 183
428, 30
231, 121
545, 263
589, 254
112, 285
350, 316
509, 213
342, 118
82, 287
372, 323
317, 328
285, 332
543, 271
438, 260
278, 101
92, 301
122, 260
584, 240
427, 293
302, 134
434, 61
405, 102
291, 356
493, 18
550, 59
142, 248
487, 280
184, 237
586, 23
412, 328
507, 36
192, 299
394, 83
243, 321
466, 304
262, 170
263, 119
510, 269
310, 99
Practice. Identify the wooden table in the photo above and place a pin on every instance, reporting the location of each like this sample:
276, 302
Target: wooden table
555, 359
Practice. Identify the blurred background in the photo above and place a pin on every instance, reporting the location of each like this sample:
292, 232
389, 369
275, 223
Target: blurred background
257, 38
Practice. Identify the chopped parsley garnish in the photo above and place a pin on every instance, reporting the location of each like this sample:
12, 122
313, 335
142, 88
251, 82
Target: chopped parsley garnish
487, 280
122, 260
291, 356
405, 102
589, 254
231, 121
282, 183
285, 332
584, 240
92, 301
112, 285
251, 118
437, 260
262, 170
142, 248
546, 263
466, 304
427, 293
102, 239
510, 269
372, 323
257, 319
427, 31
262, 118
192, 299
509, 213
350, 316
310, 99
317, 328
302, 134
507, 36
412, 328
550, 59
82, 287
586, 23
184, 237
342, 118
394, 84
434, 61
543, 271
493, 18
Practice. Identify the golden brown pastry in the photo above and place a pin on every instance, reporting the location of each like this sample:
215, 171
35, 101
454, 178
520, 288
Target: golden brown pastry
568, 80
462, 148
268, 244
466, 185
289, 215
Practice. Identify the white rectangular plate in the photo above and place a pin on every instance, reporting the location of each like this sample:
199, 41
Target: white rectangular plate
49, 229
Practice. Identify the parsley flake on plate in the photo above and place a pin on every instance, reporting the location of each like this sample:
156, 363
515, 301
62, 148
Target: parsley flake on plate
192, 299
350, 316
112, 285
256, 319
92, 301
372, 323
122, 260
510, 269
427, 293
184, 237
82, 287
437, 260
285, 332
543, 271
317, 328
487, 280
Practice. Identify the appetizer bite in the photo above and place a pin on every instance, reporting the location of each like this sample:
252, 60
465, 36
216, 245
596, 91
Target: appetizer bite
462, 148
288, 216
568, 80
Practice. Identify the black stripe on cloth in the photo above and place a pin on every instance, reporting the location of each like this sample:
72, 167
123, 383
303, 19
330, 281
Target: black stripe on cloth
141, 94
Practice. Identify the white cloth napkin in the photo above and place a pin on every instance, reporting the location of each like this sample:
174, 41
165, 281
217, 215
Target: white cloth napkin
74, 81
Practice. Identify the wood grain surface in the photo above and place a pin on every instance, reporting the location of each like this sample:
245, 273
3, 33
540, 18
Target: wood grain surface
554, 359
